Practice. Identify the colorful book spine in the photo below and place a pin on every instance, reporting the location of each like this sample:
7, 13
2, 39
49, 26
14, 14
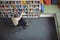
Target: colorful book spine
54, 1
47, 2
42, 8
58, 3
42, 5
41, 1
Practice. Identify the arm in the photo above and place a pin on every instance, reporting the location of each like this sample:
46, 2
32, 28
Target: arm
16, 20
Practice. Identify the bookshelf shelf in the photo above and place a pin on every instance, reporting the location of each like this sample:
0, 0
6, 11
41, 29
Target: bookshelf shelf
11, 7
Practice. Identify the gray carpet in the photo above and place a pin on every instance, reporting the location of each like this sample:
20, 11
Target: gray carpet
38, 29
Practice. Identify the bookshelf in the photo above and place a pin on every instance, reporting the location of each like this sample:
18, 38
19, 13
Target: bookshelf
16, 7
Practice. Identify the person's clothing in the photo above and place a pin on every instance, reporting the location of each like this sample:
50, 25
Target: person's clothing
22, 23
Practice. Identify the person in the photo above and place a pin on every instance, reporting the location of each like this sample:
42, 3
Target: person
19, 21
16, 19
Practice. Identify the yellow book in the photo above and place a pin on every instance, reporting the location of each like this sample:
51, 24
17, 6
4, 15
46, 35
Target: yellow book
23, 2
42, 1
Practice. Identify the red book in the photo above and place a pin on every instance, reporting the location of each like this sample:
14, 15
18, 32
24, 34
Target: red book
58, 6
47, 2
58, 3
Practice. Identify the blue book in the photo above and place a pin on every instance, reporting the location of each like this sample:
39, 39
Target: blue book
54, 1
42, 8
